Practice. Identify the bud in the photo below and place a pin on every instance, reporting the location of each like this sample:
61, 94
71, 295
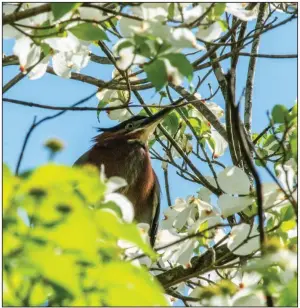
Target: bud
54, 146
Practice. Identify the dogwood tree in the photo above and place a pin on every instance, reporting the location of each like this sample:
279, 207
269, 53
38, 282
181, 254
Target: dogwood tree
233, 242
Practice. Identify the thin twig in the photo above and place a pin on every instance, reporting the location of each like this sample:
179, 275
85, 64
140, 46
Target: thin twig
267, 56
30, 104
12, 82
101, 83
251, 71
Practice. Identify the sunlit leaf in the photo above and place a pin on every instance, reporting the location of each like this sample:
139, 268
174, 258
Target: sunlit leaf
171, 10
171, 121
60, 9
288, 296
88, 32
219, 9
288, 225
156, 73
130, 286
280, 114
180, 61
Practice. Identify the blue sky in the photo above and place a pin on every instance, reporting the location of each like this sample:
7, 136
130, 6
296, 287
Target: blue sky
275, 83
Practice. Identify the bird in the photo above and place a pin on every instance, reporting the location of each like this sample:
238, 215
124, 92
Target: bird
123, 150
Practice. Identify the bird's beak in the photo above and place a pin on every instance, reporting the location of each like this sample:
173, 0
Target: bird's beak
150, 123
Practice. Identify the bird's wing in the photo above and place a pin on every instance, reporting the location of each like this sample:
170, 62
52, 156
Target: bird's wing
156, 211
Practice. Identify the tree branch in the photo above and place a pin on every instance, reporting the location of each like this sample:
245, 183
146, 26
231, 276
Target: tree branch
251, 70
11, 18
267, 56
199, 265
13, 82
232, 144
30, 104
101, 83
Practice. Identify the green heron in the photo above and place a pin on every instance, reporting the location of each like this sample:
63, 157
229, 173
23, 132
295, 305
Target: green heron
123, 150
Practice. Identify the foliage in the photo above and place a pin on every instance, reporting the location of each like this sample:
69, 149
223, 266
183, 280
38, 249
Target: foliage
61, 243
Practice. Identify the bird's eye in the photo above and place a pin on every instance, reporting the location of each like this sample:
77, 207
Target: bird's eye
129, 126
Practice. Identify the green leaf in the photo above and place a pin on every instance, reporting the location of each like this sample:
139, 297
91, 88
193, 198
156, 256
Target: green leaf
60, 9
275, 147
171, 10
6, 171
171, 121
288, 296
160, 48
48, 32
39, 294
46, 48
219, 9
258, 163
287, 213
157, 73
129, 286
223, 24
124, 44
196, 123
262, 152
112, 22
280, 114
143, 46
72, 251
269, 140
211, 142
288, 225
251, 210
183, 65
293, 142
89, 32
100, 105
294, 111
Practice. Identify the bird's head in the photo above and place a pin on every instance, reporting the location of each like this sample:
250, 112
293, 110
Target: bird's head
137, 128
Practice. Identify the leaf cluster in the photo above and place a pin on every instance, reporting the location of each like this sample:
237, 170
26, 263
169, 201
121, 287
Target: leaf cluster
61, 243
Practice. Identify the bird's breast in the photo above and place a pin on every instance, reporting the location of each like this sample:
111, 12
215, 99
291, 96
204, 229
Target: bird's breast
130, 161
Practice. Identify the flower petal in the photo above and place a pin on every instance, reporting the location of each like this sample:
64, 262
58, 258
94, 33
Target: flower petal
233, 180
220, 144
184, 38
210, 33
124, 204
39, 70
114, 183
238, 235
230, 205
238, 10
64, 44
60, 65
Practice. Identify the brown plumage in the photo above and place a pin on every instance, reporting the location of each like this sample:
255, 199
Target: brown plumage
123, 150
